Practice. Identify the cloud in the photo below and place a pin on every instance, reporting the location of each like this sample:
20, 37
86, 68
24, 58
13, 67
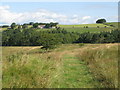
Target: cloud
113, 18
6, 16
42, 15
86, 17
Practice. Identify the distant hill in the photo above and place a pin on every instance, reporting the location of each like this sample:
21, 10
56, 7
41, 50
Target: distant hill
81, 28
92, 25
112, 24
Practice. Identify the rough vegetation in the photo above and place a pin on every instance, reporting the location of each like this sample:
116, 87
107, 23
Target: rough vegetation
48, 39
69, 66
67, 56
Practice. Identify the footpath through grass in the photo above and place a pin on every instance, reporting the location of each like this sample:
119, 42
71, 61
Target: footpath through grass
73, 73
68, 66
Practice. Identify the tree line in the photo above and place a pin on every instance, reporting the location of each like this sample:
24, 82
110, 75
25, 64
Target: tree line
50, 38
47, 25
32, 37
34, 25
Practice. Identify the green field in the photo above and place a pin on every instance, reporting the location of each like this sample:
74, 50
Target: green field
112, 23
91, 28
82, 25
68, 66
80, 28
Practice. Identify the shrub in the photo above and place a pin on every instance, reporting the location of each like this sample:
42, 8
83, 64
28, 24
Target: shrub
101, 21
81, 44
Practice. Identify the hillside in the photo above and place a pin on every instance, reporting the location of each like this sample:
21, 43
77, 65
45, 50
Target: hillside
81, 28
68, 66
90, 27
112, 24
82, 25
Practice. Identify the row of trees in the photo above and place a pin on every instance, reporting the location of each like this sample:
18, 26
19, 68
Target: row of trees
50, 38
31, 37
47, 25
34, 25
103, 37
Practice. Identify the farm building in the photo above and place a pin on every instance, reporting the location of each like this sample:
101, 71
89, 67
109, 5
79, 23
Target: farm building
53, 27
41, 26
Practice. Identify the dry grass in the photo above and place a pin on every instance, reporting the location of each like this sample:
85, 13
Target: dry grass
31, 67
23, 70
103, 63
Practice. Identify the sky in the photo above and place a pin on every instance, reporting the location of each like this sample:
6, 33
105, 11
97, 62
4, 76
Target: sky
61, 12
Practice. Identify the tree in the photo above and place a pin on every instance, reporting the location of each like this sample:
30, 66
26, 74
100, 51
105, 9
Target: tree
101, 21
35, 25
31, 23
13, 25
53, 24
19, 27
5, 26
97, 26
48, 41
48, 25
24, 26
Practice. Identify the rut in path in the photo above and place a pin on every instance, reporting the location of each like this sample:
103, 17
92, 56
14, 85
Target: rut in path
73, 73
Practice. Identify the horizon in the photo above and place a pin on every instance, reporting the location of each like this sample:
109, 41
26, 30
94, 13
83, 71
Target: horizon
65, 13
58, 23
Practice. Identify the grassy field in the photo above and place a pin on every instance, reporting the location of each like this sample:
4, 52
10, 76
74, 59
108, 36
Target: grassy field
2, 29
114, 24
68, 66
80, 28
82, 25
83, 30
91, 28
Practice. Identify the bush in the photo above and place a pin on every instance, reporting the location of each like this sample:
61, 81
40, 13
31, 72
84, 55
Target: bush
81, 44
48, 47
101, 21
5, 26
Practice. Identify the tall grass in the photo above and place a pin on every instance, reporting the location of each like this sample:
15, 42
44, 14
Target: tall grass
22, 70
103, 63
32, 67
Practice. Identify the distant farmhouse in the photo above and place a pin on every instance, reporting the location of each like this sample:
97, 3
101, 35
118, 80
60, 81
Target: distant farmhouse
41, 26
44, 26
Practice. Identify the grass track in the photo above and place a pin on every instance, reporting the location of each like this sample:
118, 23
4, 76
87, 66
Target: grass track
64, 67
72, 73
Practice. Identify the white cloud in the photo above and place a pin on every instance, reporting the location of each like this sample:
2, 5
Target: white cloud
42, 15
7, 17
86, 17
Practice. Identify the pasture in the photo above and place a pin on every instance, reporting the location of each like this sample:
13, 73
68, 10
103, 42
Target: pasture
82, 25
112, 24
81, 28
68, 66
94, 28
